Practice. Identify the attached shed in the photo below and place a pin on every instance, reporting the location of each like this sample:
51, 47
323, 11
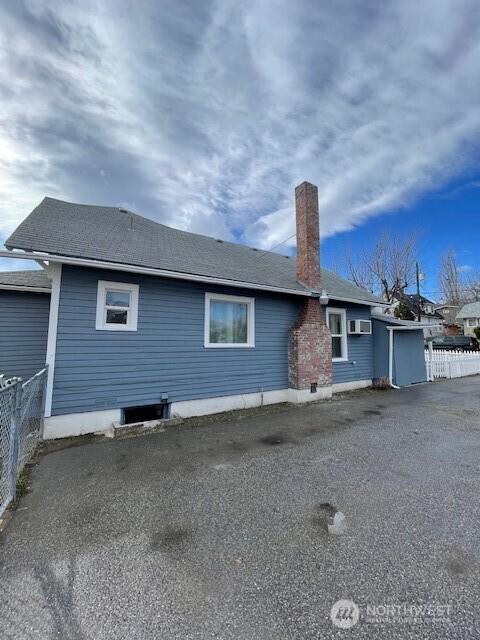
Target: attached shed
24, 311
398, 350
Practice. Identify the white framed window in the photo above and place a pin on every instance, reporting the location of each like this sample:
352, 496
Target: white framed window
337, 323
229, 321
472, 322
117, 306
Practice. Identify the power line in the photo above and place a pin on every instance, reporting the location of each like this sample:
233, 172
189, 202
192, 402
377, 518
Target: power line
277, 245
435, 292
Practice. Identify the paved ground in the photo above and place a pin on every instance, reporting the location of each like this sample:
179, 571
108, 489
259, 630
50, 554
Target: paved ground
217, 531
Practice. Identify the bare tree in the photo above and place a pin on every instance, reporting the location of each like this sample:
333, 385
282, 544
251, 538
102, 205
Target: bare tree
472, 288
387, 268
450, 279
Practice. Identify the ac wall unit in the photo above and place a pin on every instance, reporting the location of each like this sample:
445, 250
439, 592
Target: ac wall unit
359, 327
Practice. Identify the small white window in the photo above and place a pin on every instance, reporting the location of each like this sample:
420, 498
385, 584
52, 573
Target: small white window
472, 322
117, 306
229, 321
337, 323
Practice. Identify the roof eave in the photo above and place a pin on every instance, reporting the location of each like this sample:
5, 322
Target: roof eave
366, 303
18, 287
422, 326
128, 268
118, 266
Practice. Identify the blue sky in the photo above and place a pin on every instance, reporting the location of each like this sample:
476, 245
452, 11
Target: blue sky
205, 114
444, 219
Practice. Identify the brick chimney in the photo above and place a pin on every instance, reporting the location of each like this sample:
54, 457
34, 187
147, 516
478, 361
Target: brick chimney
308, 235
310, 343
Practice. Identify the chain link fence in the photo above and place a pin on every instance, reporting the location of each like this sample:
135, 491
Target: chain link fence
21, 425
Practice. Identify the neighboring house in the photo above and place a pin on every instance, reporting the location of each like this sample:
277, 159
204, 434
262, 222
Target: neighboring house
427, 307
149, 321
430, 319
451, 326
24, 309
469, 314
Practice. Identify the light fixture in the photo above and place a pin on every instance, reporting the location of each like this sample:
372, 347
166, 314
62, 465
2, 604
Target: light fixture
324, 299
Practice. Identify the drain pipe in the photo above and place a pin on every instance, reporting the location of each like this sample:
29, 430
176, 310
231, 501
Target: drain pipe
390, 357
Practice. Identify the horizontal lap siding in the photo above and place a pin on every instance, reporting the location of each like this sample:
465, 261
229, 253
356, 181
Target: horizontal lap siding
23, 332
359, 365
107, 369
381, 349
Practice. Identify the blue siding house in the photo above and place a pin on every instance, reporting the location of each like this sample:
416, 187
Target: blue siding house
102, 369
149, 321
24, 309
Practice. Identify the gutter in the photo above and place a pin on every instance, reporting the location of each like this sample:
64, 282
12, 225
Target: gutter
365, 303
14, 287
165, 273
116, 266
420, 326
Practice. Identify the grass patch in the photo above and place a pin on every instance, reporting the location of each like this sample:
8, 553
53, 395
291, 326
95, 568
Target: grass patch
22, 484
382, 384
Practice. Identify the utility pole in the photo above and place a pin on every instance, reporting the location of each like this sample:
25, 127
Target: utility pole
419, 309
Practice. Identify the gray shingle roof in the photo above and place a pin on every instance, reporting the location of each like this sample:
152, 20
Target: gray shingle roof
471, 310
117, 235
391, 320
36, 278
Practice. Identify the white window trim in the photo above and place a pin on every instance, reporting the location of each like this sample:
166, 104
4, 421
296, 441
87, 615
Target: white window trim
250, 302
343, 335
100, 321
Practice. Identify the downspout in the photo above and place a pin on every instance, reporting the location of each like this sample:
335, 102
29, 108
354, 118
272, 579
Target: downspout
390, 358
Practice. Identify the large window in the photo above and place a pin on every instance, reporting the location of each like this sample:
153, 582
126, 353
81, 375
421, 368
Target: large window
337, 323
117, 306
229, 321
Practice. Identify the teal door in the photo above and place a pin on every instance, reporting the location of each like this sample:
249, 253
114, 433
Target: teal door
408, 358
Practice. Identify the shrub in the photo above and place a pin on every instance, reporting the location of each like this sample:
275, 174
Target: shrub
402, 311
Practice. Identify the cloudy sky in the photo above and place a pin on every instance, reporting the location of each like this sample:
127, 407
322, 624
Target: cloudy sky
204, 114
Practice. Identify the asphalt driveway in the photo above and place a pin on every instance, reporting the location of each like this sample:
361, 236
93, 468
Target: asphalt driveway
218, 530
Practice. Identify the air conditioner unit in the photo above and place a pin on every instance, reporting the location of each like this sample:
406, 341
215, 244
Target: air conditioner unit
359, 327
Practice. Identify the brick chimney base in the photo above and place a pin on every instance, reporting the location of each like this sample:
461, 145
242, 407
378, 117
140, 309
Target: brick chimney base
310, 355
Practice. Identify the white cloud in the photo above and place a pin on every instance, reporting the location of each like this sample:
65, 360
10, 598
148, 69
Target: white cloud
465, 268
205, 115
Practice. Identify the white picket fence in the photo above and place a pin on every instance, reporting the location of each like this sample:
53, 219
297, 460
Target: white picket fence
452, 364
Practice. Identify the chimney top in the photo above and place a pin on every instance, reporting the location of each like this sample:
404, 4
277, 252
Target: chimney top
308, 236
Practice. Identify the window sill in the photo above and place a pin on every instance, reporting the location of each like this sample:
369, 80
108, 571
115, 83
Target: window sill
220, 345
340, 360
113, 328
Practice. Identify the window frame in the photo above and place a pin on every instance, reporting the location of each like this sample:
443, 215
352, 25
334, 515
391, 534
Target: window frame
344, 338
101, 323
250, 302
